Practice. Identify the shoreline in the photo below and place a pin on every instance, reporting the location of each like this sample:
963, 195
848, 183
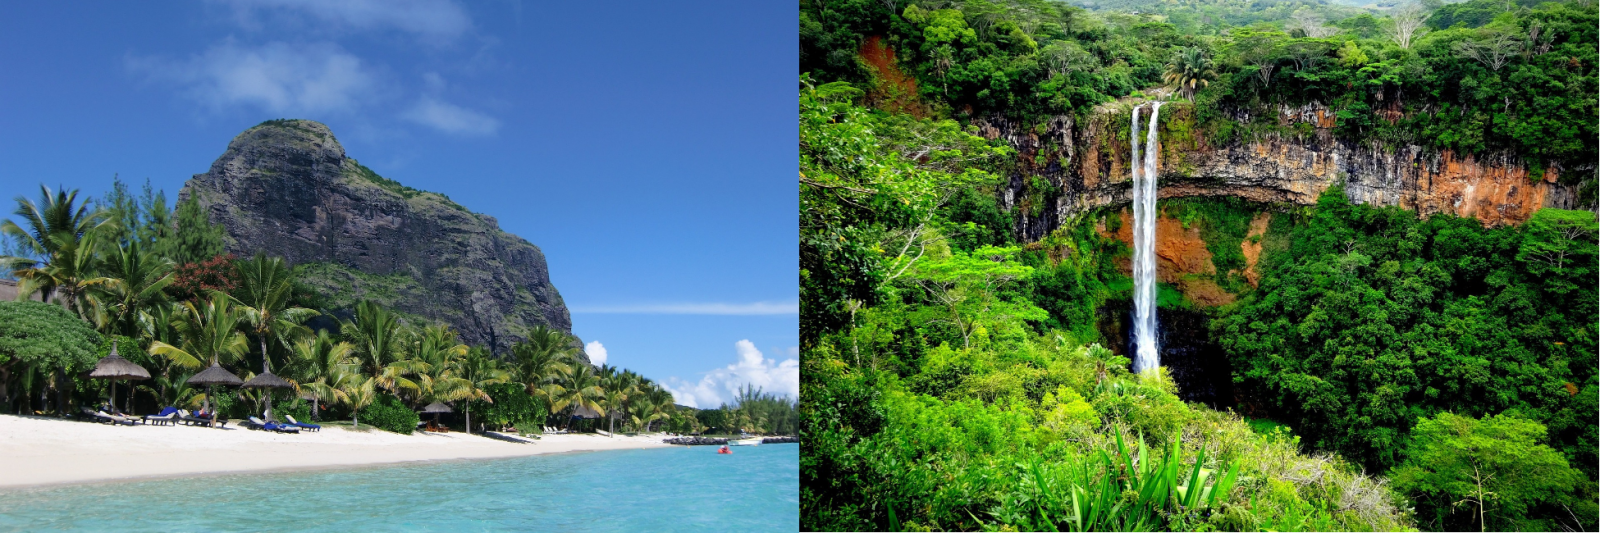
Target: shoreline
43, 453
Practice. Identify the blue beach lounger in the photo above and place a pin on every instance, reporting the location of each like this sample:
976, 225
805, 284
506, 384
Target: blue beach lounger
256, 423
298, 424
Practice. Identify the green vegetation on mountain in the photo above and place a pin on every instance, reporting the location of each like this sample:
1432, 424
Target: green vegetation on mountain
1399, 371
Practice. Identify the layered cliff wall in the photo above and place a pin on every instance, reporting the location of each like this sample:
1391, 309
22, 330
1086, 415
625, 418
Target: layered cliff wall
286, 188
1086, 167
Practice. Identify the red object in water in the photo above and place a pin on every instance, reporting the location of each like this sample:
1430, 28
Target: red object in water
724, 449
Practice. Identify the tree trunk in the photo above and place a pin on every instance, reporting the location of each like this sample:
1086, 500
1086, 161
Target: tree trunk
61, 391
264, 370
5, 376
211, 390
469, 419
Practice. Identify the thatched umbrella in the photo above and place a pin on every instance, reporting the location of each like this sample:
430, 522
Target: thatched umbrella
584, 412
115, 368
266, 380
210, 377
437, 408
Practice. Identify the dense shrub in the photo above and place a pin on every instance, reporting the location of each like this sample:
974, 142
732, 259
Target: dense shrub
388, 413
512, 406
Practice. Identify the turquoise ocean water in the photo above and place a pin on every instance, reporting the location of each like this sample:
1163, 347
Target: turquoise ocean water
672, 489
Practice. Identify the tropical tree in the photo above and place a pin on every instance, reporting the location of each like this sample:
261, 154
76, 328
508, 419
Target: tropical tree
263, 294
358, 394
210, 332
614, 397
377, 336
37, 339
477, 372
173, 389
542, 360
432, 353
134, 283
581, 388
316, 362
1190, 71
660, 406
60, 235
1465, 471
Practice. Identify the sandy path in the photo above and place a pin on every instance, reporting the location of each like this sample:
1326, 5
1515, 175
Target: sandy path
44, 451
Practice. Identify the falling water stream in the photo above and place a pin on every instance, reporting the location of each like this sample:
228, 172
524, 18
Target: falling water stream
1146, 357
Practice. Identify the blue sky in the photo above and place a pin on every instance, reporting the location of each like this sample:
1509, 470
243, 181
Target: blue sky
647, 148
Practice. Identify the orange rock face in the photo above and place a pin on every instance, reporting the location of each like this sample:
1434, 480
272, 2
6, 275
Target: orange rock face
1252, 250
1181, 259
1179, 251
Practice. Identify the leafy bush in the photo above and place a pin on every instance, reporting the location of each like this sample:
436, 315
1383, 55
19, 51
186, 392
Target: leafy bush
512, 406
388, 413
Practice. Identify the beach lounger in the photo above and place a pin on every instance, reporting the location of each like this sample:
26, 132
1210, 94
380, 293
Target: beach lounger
188, 418
256, 423
117, 419
166, 416
103, 417
296, 423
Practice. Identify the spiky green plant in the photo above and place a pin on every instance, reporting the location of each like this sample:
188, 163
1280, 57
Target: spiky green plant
1190, 71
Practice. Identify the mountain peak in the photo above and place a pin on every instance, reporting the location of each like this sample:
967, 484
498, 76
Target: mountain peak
285, 187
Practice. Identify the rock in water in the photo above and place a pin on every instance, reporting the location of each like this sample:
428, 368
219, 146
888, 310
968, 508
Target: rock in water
285, 187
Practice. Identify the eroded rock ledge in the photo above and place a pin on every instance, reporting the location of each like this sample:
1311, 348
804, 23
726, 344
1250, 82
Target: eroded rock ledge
1087, 167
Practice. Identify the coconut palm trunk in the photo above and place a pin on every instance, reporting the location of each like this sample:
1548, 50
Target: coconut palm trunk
264, 370
211, 391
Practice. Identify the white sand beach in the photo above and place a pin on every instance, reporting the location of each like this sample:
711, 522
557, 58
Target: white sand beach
37, 451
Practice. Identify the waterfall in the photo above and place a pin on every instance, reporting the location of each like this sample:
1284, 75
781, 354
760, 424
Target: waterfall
1146, 357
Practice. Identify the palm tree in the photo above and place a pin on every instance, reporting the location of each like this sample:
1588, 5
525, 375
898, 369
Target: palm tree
543, 360
478, 371
210, 332
660, 406
358, 394
377, 337
1190, 71
314, 364
613, 398
263, 291
61, 233
133, 285
581, 388
431, 354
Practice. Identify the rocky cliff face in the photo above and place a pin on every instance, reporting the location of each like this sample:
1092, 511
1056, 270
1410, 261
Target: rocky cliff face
1086, 167
286, 188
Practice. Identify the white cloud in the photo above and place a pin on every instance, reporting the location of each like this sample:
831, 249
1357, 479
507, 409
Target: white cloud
284, 78
755, 308
450, 118
596, 352
721, 385
436, 19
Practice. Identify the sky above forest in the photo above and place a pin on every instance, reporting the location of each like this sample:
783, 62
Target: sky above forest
645, 148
